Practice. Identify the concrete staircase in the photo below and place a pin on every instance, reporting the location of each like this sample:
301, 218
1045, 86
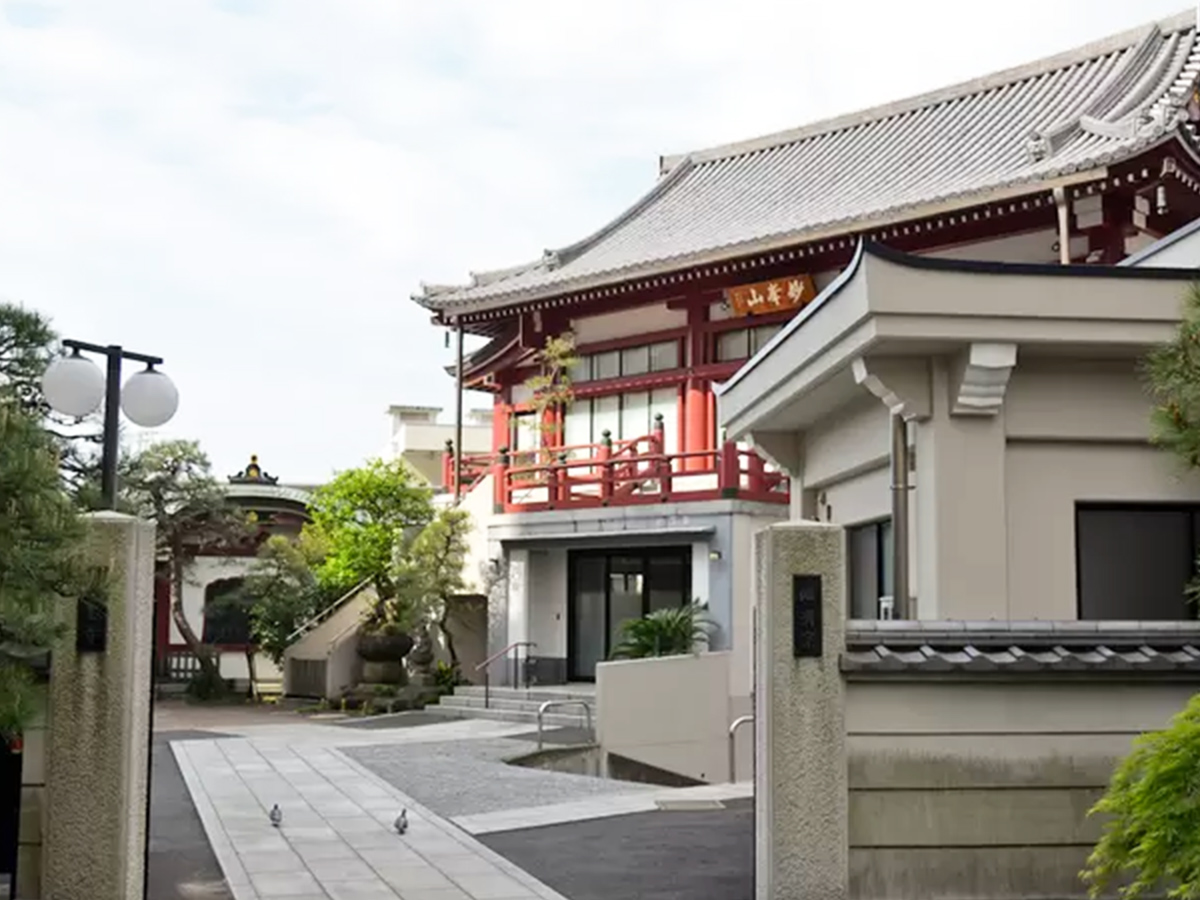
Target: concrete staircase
518, 705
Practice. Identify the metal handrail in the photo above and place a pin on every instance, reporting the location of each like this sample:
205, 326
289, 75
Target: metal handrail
487, 675
733, 729
550, 704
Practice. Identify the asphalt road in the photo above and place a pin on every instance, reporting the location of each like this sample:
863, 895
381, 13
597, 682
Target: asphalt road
706, 855
182, 865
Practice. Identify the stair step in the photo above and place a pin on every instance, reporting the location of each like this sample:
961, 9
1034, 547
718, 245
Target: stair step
531, 706
550, 720
528, 694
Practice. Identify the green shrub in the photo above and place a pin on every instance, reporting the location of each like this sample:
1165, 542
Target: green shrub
664, 632
208, 685
1152, 835
447, 676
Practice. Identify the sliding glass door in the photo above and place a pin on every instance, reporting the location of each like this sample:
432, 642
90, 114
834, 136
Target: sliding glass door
608, 588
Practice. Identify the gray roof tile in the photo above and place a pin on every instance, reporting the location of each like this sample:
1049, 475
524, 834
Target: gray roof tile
1087, 108
944, 648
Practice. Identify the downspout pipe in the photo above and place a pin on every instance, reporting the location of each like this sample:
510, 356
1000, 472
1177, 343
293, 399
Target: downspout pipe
901, 606
1064, 225
458, 411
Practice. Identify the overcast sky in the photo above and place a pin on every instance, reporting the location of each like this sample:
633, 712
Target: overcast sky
252, 189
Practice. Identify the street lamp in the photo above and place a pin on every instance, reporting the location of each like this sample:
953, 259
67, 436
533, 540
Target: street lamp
75, 386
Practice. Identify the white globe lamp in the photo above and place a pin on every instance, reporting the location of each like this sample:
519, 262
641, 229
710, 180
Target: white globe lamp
73, 385
149, 398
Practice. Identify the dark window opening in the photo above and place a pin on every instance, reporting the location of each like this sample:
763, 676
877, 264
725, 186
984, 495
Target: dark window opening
870, 550
1134, 563
226, 615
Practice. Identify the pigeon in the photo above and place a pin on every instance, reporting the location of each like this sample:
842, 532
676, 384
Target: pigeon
275, 815
401, 823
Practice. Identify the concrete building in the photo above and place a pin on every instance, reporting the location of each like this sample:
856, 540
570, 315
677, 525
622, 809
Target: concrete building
421, 440
639, 495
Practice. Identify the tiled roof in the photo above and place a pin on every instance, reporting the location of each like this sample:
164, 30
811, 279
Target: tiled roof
1067, 114
1022, 648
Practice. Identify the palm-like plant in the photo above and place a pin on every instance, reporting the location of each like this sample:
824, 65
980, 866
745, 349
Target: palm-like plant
664, 632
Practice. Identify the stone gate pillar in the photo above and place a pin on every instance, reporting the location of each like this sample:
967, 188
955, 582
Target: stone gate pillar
800, 781
98, 726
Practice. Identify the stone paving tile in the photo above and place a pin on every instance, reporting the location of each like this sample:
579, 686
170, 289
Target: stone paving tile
462, 778
336, 839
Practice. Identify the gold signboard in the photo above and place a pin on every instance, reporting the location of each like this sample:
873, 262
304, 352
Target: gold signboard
776, 295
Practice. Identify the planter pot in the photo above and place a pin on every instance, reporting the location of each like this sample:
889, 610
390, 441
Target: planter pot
384, 648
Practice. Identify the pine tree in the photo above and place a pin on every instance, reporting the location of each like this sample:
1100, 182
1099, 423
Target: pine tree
40, 542
1173, 372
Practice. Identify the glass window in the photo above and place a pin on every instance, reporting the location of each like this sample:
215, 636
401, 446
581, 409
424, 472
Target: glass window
635, 415
606, 365
1134, 564
733, 345
635, 360
870, 563
606, 416
664, 356
577, 426
762, 336
583, 369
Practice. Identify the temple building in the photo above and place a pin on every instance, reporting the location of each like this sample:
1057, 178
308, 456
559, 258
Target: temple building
216, 572
635, 497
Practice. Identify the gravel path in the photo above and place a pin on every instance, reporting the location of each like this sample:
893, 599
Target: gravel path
470, 777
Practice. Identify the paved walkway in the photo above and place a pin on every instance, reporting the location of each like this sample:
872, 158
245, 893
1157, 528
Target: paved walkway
336, 842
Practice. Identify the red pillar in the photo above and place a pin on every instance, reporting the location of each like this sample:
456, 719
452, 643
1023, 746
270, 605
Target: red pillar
696, 423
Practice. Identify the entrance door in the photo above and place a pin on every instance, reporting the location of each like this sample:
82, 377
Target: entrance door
608, 588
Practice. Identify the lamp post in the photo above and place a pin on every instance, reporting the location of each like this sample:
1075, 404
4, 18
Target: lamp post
75, 386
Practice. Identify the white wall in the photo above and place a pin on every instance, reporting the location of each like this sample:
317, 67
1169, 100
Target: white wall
548, 602
611, 326
670, 712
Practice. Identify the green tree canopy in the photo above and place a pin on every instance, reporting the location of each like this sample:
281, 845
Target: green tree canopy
429, 575
367, 516
282, 591
1152, 836
40, 545
1173, 372
171, 483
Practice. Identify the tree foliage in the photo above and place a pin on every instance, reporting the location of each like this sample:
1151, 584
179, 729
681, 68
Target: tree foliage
664, 632
1152, 836
282, 591
429, 575
551, 387
171, 483
1173, 373
40, 544
367, 516
26, 348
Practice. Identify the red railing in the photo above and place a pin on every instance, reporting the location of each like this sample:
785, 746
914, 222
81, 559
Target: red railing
631, 472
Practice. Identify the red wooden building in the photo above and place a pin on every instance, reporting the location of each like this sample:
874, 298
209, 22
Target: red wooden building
632, 499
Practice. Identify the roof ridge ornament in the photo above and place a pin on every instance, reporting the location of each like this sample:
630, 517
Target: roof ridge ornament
253, 474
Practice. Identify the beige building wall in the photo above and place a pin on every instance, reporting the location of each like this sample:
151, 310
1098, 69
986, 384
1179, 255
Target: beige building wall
992, 513
671, 712
982, 790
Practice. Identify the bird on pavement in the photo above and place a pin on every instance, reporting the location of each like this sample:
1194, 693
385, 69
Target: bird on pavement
275, 815
401, 822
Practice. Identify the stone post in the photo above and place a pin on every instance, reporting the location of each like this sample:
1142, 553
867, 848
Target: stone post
800, 780
98, 729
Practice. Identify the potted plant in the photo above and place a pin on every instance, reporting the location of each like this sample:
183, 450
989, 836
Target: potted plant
665, 632
386, 635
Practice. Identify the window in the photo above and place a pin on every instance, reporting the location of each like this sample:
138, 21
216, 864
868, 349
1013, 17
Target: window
870, 552
660, 357
1133, 563
226, 616
742, 343
625, 416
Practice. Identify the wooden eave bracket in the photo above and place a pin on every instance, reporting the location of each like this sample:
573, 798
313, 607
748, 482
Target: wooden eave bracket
980, 380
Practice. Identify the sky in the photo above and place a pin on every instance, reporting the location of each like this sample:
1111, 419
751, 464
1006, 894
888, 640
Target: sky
253, 189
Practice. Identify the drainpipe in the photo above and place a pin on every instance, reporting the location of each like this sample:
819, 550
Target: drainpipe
900, 489
458, 413
1064, 225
